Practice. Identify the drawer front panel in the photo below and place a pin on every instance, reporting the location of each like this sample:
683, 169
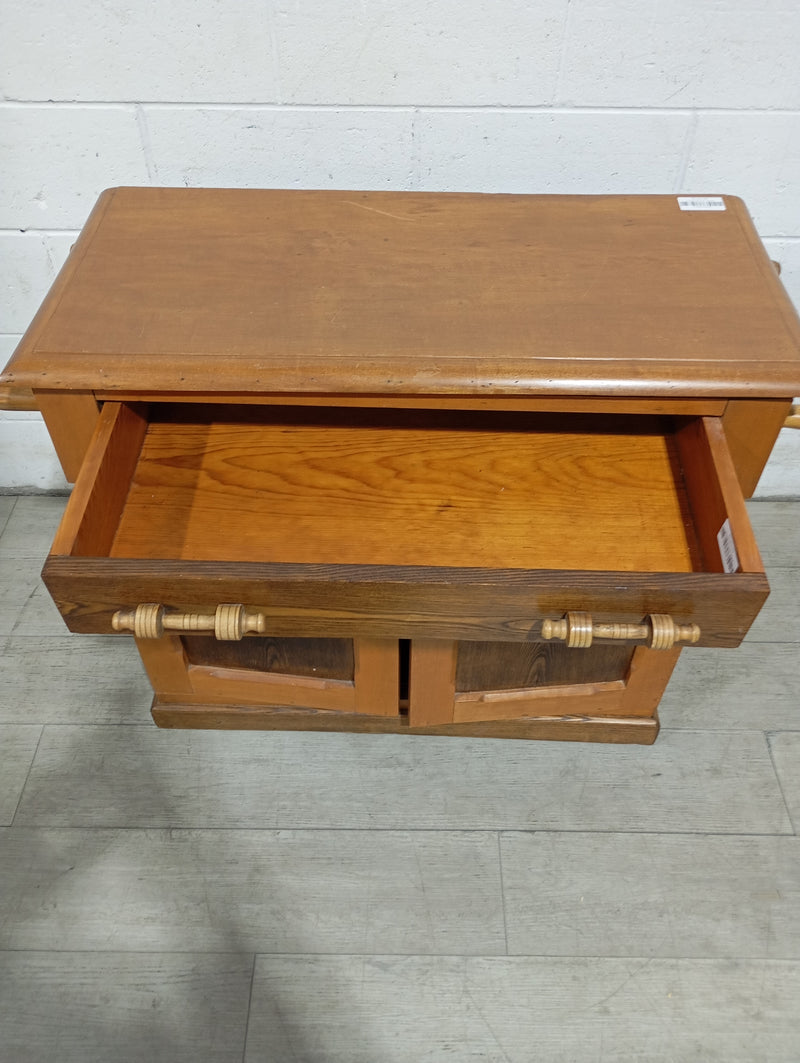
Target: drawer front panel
459, 604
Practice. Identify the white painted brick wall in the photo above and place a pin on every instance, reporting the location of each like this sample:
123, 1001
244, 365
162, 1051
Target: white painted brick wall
519, 95
56, 157
545, 151
282, 147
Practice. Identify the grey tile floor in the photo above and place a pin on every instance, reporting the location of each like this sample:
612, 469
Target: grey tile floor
223, 896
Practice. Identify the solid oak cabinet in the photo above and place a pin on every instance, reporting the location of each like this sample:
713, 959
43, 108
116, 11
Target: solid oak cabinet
412, 462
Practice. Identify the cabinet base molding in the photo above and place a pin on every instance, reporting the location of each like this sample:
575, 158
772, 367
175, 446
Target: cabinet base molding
173, 714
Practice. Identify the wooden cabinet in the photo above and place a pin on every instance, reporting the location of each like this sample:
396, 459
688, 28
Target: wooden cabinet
422, 463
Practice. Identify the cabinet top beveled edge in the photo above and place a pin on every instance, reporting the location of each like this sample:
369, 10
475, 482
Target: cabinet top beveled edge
305, 292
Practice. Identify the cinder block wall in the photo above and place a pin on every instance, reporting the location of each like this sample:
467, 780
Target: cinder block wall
517, 95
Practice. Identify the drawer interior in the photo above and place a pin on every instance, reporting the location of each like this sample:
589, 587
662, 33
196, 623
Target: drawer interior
403, 487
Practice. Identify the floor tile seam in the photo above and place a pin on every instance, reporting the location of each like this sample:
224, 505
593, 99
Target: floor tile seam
20, 949
655, 956
12, 555
50, 723
172, 828
649, 833
249, 1007
743, 958
768, 736
65, 634
738, 730
18, 620
257, 954
502, 890
763, 642
27, 773
8, 515
285, 829
499, 954
668, 729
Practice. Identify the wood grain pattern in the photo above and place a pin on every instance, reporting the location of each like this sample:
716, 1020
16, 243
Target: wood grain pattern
71, 420
166, 665
431, 490
318, 601
320, 658
221, 686
287, 700
92, 515
173, 714
372, 688
432, 682
714, 494
377, 677
635, 694
416, 292
514, 665
17, 397
751, 429
583, 699
685, 406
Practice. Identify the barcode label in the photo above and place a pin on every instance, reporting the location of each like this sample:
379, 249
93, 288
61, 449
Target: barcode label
701, 202
727, 548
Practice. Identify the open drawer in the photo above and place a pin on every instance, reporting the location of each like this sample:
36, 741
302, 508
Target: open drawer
404, 524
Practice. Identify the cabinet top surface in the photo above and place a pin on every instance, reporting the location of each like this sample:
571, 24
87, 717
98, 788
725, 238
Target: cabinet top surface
257, 291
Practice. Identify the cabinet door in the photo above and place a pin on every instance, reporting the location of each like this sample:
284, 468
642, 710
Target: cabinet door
201, 682
452, 683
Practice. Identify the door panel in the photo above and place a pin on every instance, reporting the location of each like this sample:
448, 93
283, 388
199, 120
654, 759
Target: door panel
358, 676
597, 682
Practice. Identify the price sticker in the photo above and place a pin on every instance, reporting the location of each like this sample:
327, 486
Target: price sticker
727, 548
701, 202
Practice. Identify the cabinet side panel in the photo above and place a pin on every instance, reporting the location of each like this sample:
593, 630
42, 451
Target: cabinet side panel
751, 428
70, 419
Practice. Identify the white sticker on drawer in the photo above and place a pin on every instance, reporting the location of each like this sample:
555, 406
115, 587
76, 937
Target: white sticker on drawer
701, 202
727, 548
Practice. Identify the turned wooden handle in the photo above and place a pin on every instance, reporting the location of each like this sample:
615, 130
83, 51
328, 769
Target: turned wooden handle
229, 623
578, 630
